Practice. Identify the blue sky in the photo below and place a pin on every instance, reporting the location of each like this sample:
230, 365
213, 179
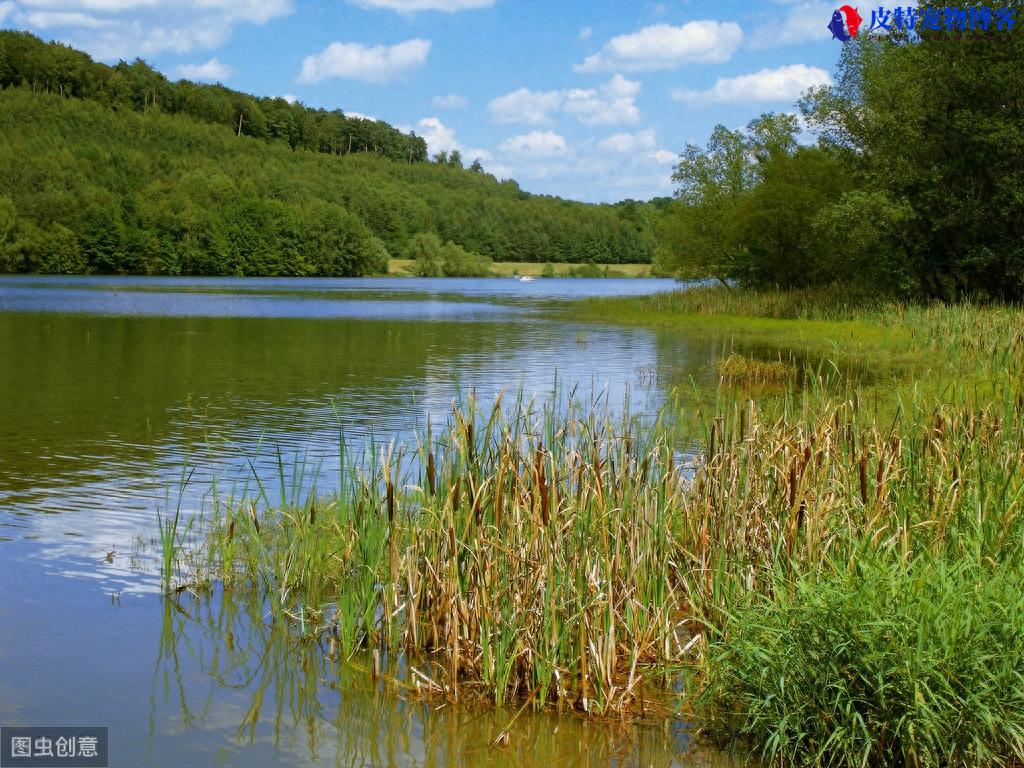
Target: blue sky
588, 100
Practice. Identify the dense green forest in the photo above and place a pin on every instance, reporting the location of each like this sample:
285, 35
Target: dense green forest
100, 177
28, 62
915, 185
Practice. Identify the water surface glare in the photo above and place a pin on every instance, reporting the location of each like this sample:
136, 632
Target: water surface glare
116, 389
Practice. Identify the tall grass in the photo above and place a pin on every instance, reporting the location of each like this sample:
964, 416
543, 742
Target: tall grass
521, 555
888, 663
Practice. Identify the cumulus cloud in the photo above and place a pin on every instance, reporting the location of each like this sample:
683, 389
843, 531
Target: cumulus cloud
639, 147
437, 135
372, 64
782, 84
52, 19
535, 144
613, 103
113, 29
525, 106
411, 6
624, 164
806, 21
663, 46
210, 70
440, 137
629, 143
450, 101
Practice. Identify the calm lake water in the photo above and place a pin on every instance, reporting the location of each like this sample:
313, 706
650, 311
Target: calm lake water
114, 390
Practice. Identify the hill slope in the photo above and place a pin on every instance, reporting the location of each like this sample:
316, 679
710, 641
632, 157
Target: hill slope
95, 185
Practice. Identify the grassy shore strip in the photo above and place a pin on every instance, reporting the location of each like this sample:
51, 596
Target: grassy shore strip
832, 321
406, 268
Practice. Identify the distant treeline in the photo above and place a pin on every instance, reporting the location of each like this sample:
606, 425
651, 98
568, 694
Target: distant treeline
98, 177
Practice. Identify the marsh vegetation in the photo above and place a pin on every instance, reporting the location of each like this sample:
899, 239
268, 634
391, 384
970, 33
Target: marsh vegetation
827, 573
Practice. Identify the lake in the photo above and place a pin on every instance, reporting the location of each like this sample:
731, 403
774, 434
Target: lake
123, 397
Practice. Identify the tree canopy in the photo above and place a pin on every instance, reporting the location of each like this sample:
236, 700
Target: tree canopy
916, 183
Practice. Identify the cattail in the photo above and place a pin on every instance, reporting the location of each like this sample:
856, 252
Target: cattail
431, 471
864, 479
542, 487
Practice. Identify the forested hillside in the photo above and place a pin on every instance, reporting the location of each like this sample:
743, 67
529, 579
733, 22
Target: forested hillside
28, 62
101, 178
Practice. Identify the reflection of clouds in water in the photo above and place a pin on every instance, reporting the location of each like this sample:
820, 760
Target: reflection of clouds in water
84, 490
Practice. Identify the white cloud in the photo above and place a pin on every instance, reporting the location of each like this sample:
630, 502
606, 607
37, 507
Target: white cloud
782, 84
361, 116
535, 144
437, 135
291, 98
525, 106
629, 143
373, 64
806, 21
440, 137
450, 101
662, 46
586, 33
113, 29
211, 70
411, 6
613, 103
621, 165
51, 19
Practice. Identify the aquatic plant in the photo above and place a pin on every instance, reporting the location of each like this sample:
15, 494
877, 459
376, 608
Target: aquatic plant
738, 369
522, 554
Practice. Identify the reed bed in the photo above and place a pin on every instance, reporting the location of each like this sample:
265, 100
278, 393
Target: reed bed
740, 370
520, 556
835, 302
